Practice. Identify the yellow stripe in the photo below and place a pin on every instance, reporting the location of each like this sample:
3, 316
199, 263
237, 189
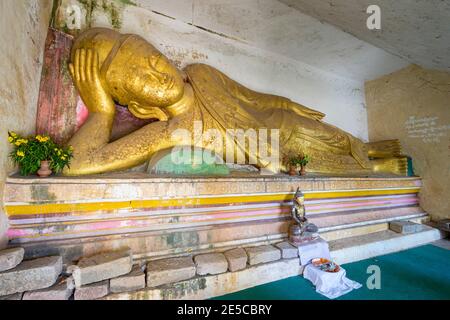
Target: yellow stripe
14, 210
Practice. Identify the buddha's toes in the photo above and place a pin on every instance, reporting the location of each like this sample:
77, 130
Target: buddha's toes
384, 149
398, 166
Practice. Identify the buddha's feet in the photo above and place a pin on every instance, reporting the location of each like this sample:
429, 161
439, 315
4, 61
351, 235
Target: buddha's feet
384, 149
398, 166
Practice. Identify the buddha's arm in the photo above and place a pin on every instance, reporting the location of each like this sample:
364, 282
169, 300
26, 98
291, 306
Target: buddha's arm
278, 102
127, 152
97, 129
265, 101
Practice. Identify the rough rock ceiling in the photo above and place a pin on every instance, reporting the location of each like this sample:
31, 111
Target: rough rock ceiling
274, 27
416, 30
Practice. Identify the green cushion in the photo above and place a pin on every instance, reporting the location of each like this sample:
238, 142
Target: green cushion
187, 161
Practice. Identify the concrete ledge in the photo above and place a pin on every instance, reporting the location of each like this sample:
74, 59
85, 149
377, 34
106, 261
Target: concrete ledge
343, 251
217, 285
375, 244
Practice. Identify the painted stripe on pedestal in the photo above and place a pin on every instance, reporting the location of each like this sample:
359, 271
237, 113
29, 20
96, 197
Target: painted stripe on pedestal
33, 209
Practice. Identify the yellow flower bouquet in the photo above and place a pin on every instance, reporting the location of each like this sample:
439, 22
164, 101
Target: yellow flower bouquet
29, 152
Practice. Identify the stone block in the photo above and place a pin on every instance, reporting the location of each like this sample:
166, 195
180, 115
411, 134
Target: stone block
62, 290
169, 270
262, 254
92, 291
405, 227
101, 267
444, 225
15, 296
135, 280
288, 251
211, 263
31, 275
237, 259
10, 258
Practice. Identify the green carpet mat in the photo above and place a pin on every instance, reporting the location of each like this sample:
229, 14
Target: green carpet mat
421, 273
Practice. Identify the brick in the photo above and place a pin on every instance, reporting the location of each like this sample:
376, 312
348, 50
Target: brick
262, 254
135, 280
92, 291
288, 251
237, 259
169, 270
211, 263
10, 258
15, 296
62, 290
405, 227
31, 275
101, 267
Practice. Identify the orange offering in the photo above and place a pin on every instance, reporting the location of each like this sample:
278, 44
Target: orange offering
326, 265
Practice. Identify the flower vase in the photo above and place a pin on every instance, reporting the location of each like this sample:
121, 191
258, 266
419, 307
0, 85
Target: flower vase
44, 171
302, 170
292, 171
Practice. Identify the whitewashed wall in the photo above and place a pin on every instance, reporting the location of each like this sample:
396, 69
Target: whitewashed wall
23, 25
264, 45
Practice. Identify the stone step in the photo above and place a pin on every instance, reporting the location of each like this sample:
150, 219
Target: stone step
62, 290
92, 291
352, 230
288, 251
329, 234
343, 251
15, 296
237, 259
132, 281
68, 248
210, 263
206, 287
170, 270
10, 258
379, 243
262, 254
443, 225
101, 267
405, 227
31, 275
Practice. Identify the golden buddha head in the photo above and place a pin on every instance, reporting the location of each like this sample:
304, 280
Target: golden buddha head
135, 73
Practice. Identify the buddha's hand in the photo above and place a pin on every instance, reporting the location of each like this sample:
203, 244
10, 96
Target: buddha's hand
85, 73
306, 112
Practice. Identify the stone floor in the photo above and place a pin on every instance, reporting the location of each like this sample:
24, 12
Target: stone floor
419, 273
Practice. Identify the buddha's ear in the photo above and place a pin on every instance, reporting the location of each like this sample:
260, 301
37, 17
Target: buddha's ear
146, 112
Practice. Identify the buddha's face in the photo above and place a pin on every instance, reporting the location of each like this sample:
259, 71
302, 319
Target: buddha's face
143, 78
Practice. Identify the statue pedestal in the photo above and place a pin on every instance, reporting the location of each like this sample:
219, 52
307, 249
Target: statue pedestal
167, 216
297, 237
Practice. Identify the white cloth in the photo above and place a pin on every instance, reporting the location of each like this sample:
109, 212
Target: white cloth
313, 249
331, 285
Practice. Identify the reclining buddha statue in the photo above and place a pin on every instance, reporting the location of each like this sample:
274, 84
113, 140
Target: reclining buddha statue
108, 68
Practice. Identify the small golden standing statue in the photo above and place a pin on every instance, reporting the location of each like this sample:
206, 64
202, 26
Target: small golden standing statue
108, 67
301, 231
